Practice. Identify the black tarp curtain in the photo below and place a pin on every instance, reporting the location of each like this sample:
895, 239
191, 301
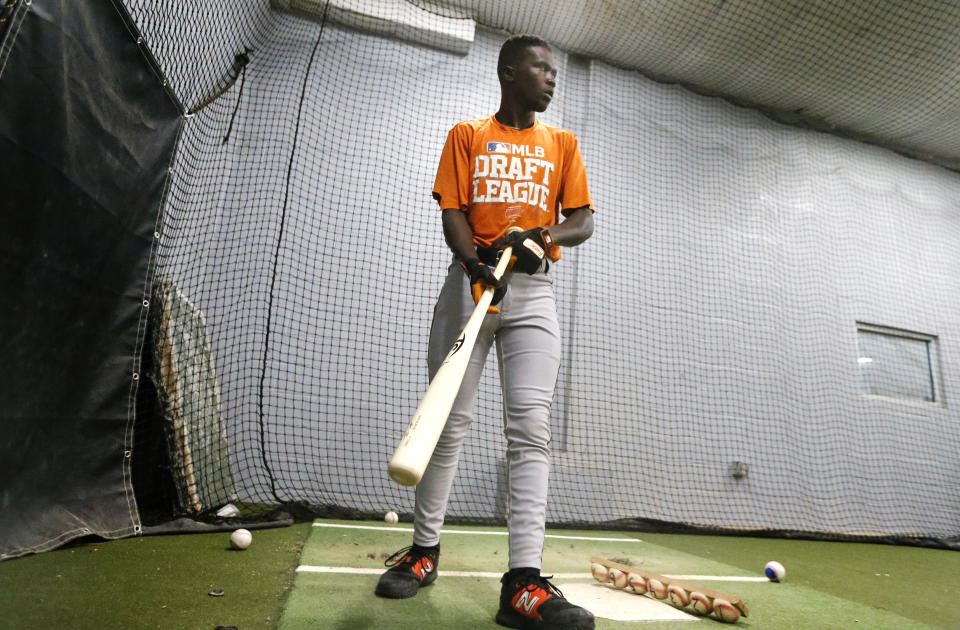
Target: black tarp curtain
87, 132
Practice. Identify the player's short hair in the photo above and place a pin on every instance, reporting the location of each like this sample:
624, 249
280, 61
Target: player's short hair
513, 49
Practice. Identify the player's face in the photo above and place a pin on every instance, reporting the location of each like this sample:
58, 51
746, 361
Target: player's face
535, 78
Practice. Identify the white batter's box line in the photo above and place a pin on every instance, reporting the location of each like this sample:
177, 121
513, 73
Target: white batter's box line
474, 574
306, 568
459, 531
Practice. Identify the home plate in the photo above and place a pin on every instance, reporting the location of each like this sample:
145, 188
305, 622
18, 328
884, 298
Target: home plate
610, 603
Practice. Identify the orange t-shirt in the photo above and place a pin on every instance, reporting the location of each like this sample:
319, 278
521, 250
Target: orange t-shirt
503, 177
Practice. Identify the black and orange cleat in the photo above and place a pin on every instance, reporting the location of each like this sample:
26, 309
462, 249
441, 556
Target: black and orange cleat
528, 601
410, 568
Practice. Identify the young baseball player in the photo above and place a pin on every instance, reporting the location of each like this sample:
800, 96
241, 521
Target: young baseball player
506, 170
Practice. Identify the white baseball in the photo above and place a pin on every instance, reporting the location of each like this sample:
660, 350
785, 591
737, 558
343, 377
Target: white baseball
678, 596
241, 539
637, 583
725, 610
618, 578
391, 517
656, 588
774, 570
599, 572
700, 603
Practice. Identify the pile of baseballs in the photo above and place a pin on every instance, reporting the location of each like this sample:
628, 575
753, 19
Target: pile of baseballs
674, 593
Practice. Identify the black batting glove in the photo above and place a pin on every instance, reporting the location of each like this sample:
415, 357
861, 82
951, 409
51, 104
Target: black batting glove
481, 277
529, 248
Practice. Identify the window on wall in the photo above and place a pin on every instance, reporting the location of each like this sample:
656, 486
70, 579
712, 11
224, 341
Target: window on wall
898, 364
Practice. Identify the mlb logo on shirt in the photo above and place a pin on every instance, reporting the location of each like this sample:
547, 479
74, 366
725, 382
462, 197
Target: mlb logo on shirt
498, 147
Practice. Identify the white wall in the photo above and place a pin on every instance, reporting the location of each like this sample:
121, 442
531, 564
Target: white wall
710, 319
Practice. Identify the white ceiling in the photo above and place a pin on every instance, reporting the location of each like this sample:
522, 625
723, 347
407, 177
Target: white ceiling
882, 71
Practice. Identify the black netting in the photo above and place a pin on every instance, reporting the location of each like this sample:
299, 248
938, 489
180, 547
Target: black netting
715, 372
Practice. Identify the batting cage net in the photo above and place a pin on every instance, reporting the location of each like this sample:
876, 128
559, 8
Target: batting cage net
760, 336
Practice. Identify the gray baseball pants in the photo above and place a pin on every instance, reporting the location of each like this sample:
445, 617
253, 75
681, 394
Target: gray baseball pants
527, 337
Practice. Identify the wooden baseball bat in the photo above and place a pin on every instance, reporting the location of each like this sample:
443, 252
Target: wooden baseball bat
415, 449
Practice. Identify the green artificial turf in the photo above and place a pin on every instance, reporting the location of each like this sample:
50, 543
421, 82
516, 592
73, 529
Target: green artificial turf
915, 582
346, 602
153, 582
163, 581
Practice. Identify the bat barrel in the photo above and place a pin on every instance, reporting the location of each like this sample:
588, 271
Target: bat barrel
405, 475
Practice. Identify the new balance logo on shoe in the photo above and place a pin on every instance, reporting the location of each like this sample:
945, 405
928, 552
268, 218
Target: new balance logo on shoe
527, 600
423, 567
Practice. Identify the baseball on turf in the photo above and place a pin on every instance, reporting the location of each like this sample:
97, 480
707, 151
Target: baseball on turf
241, 539
391, 517
656, 588
618, 578
599, 572
678, 596
637, 583
700, 603
725, 610
774, 570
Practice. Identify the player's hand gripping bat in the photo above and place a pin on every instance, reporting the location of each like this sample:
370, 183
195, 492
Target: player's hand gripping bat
415, 449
